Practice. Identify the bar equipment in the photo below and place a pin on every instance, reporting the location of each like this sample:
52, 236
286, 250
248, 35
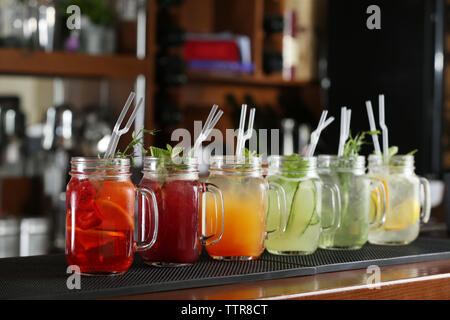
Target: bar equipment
34, 236
9, 237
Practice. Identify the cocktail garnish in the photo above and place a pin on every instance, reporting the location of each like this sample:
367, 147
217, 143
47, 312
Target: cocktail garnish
294, 165
136, 141
353, 145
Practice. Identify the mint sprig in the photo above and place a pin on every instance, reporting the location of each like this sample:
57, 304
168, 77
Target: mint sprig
353, 145
169, 153
293, 165
137, 140
393, 150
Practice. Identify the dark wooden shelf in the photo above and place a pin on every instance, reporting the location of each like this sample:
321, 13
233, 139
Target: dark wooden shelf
39, 63
244, 79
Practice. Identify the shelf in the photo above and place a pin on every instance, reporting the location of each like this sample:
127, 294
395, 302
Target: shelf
244, 79
39, 63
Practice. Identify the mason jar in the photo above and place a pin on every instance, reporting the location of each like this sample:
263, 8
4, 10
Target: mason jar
100, 201
355, 189
404, 210
303, 189
245, 201
178, 192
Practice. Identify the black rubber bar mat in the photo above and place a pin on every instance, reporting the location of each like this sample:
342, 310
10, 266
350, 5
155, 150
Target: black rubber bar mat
45, 277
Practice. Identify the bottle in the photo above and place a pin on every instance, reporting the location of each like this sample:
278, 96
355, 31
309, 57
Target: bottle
273, 23
171, 70
272, 61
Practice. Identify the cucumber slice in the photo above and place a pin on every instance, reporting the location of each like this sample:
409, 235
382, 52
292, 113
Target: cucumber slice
303, 207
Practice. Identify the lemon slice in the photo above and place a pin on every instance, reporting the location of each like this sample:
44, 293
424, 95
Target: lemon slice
375, 210
403, 215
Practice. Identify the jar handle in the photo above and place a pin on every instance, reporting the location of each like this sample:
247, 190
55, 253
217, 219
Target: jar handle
426, 208
381, 204
217, 194
335, 207
147, 194
282, 208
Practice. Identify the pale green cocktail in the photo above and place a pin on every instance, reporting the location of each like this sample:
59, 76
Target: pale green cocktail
303, 189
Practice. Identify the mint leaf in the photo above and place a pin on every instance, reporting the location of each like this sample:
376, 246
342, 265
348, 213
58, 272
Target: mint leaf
411, 153
176, 151
293, 165
137, 140
353, 145
159, 152
250, 154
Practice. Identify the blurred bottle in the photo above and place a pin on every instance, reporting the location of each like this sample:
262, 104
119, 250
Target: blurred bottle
34, 236
272, 61
127, 25
12, 20
171, 36
273, 23
287, 129
57, 141
171, 70
12, 136
304, 135
9, 237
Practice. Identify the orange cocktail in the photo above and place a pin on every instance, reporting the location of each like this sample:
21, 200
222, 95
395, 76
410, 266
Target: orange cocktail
244, 194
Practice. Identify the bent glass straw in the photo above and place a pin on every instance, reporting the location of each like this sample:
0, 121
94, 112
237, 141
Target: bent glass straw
384, 128
373, 127
210, 123
117, 132
315, 135
343, 136
243, 137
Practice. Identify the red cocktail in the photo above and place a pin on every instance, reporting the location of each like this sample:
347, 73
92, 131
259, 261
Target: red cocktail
100, 201
178, 192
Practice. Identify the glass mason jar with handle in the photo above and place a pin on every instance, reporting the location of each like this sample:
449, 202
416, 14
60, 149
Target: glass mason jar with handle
303, 189
179, 192
100, 201
355, 188
403, 207
245, 201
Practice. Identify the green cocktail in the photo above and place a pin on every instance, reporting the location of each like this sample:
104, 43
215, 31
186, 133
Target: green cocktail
355, 190
303, 188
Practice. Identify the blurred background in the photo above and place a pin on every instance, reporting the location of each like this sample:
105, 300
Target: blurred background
61, 90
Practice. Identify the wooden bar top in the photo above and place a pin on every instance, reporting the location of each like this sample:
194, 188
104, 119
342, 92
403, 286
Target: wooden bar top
425, 280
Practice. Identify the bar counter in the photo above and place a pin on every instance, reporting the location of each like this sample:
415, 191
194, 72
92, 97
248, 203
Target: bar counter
425, 280
422, 281
420, 270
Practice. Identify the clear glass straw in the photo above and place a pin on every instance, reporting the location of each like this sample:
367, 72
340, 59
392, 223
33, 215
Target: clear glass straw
315, 135
373, 127
384, 128
209, 125
117, 132
243, 137
343, 136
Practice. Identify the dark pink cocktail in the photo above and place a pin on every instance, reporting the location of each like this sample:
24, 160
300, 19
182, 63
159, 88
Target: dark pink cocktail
178, 192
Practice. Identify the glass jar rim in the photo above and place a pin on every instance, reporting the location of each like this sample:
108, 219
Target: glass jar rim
232, 162
276, 162
95, 165
353, 162
394, 161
